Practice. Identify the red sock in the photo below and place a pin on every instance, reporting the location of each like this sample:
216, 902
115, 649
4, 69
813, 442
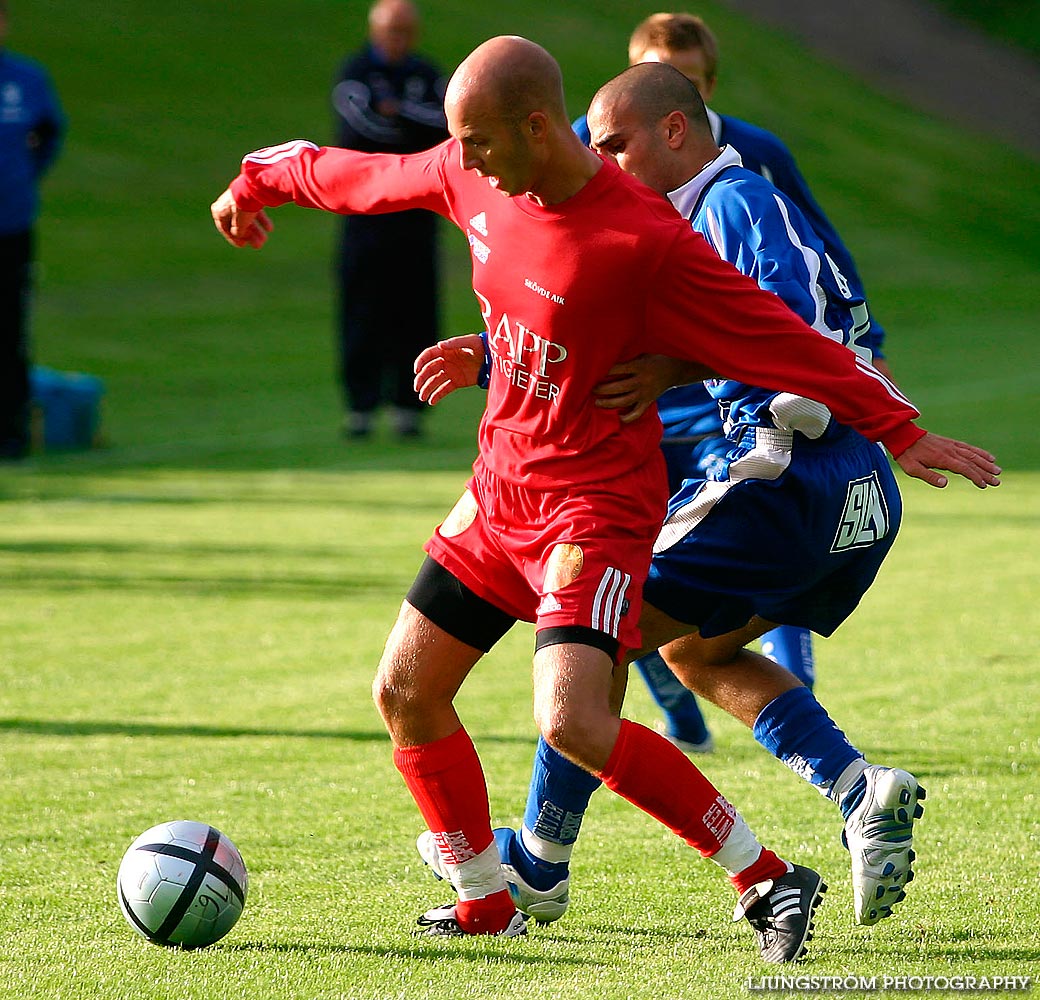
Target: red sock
660, 779
447, 783
767, 866
485, 916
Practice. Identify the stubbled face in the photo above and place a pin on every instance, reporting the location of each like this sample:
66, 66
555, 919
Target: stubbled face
492, 146
640, 148
692, 63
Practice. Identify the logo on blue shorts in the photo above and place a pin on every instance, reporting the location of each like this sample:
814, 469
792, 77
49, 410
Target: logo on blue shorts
865, 517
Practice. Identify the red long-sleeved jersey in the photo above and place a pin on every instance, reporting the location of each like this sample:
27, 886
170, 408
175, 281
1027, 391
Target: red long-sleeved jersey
569, 290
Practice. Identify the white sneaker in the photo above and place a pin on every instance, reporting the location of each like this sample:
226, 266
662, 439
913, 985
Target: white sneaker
879, 811
427, 849
707, 745
544, 906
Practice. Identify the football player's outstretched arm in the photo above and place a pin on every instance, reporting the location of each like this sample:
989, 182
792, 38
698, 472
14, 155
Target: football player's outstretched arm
637, 383
448, 365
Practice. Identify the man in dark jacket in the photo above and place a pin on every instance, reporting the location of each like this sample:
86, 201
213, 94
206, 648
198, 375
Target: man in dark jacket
387, 100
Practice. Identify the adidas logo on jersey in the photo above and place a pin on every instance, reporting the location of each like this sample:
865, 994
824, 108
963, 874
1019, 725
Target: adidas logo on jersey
865, 517
479, 223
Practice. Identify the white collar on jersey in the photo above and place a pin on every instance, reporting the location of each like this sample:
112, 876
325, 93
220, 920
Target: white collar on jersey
685, 198
715, 121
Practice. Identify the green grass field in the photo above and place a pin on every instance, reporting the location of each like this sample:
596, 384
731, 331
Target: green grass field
200, 645
190, 617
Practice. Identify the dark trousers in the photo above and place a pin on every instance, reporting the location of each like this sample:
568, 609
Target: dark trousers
387, 275
15, 285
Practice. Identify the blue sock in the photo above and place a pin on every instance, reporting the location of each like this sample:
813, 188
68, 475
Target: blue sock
682, 714
791, 647
795, 728
556, 802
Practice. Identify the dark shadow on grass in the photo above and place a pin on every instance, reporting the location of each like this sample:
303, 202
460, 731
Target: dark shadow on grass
648, 934
497, 951
261, 450
344, 499
62, 579
980, 945
102, 727
150, 553
335, 551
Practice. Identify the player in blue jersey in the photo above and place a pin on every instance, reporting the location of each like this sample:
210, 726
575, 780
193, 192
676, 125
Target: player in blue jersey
790, 526
32, 126
694, 440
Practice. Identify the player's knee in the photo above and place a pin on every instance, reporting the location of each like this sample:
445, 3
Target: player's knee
689, 658
388, 697
562, 740
568, 733
393, 688
709, 659
550, 720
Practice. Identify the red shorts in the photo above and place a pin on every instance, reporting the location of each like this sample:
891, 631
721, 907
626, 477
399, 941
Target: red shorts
574, 556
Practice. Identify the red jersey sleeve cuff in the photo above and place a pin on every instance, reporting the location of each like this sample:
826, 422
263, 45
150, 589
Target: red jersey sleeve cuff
901, 438
243, 199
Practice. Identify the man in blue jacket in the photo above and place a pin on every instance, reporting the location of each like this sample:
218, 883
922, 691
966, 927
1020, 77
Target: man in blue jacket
32, 126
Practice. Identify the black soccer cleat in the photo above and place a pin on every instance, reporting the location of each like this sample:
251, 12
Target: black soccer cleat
781, 911
441, 922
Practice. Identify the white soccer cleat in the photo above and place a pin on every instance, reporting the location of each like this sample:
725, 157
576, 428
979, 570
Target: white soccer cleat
427, 849
707, 745
544, 905
879, 830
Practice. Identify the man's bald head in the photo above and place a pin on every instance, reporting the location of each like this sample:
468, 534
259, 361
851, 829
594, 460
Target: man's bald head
651, 91
393, 27
505, 108
384, 11
508, 78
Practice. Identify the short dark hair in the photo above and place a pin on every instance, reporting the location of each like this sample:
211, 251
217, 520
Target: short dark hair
654, 90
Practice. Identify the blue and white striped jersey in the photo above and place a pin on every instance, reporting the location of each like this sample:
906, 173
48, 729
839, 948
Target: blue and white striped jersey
763, 234
765, 153
690, 412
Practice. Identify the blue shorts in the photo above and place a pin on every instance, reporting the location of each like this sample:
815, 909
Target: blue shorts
795, 533
691, 459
